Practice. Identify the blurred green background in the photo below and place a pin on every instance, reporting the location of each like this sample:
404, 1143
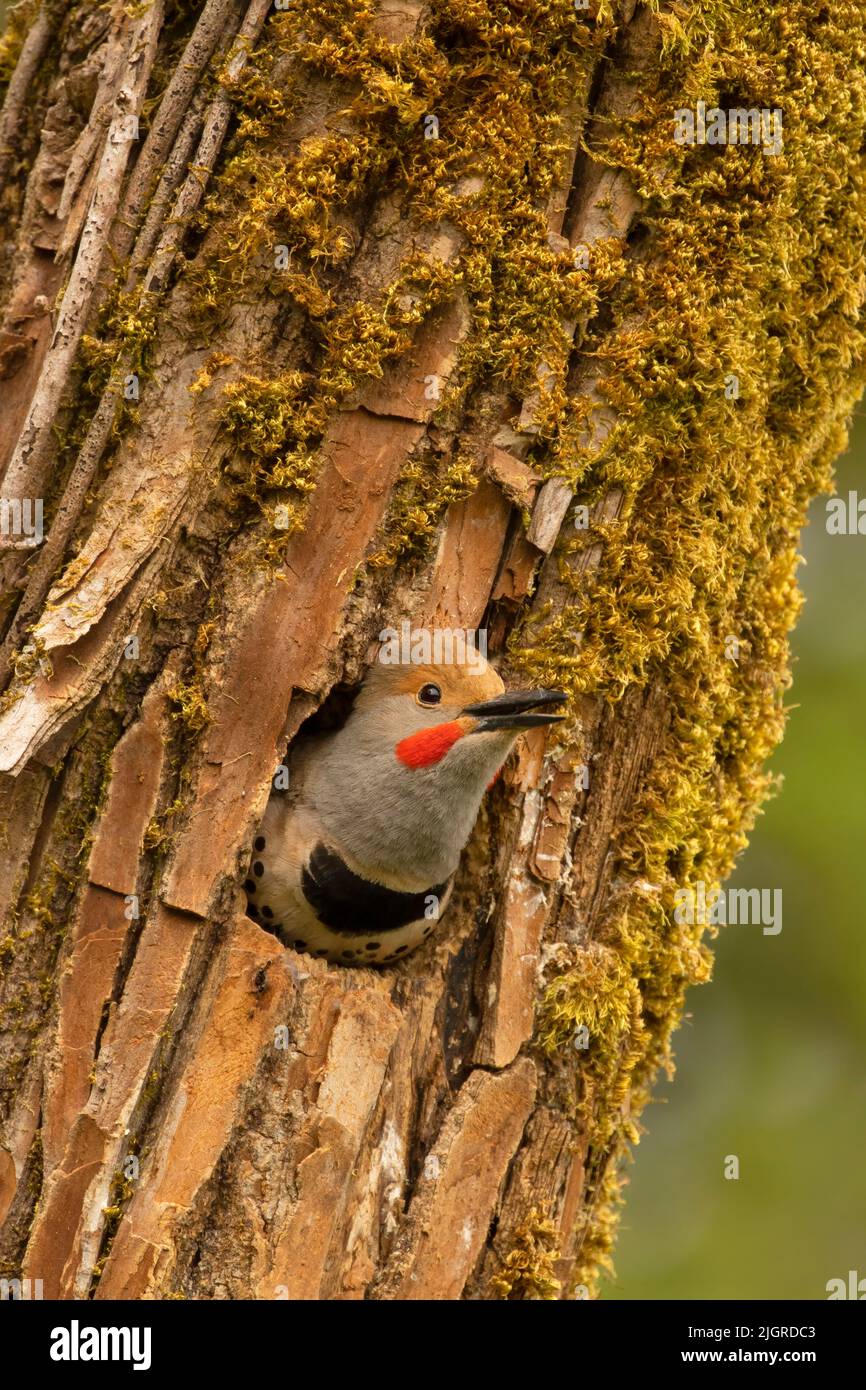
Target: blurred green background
770, 1061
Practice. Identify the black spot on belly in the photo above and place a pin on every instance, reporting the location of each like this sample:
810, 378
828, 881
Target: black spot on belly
354, 906
250, 886
258, 868
268, 911
259, 842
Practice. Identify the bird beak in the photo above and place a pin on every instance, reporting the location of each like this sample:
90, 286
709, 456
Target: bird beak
512, 710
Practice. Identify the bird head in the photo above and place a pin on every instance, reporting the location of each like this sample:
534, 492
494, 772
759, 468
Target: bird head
400, 785
457, 715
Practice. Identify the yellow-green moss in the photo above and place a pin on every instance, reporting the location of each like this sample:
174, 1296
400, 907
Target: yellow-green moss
189, 695
127, 328
751, 265
528, 1271
426, 488
19, 18
191, 704
596, 1226
272, 432
27, 663
160, 828
597, 1009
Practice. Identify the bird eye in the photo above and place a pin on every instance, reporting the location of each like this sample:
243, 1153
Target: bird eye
429, 695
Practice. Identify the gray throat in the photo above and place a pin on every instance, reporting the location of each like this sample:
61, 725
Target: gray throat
405, 827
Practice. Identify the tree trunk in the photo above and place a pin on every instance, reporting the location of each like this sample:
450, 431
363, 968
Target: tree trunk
321, 320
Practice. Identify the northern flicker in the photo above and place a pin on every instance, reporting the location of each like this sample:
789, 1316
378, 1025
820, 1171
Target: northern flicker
356, 861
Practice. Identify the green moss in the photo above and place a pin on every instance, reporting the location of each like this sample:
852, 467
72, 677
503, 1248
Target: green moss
189, 695
150, 1090
160, 829
19, 18
528, 1272
273, 432
739, 272
127, 328
425, 490
277, 424
597, 1009
596, 1225
191, 704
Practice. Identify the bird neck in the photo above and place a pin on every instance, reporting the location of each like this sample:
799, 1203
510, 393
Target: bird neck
404, 826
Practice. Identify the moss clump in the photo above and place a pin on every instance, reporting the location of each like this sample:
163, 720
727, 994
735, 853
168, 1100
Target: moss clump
19, 18
528, 1270
28, 662
192, 707
161, 828
188, 695
597, 1008
272, 430
425, 490
212, 363
261, 415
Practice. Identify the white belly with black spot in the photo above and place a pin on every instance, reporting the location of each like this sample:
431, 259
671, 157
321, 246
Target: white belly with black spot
300, 889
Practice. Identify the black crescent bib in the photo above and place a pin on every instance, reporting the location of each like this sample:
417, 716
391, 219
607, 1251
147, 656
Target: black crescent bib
354, 906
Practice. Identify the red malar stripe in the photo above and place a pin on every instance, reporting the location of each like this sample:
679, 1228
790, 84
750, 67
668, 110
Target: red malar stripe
428, 745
